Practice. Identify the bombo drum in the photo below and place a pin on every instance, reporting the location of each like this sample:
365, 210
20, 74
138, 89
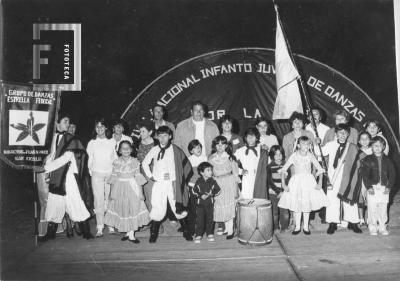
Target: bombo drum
254, 221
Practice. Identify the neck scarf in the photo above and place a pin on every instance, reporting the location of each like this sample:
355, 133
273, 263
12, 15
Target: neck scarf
252, 148
339, 153
162, 151
59, 136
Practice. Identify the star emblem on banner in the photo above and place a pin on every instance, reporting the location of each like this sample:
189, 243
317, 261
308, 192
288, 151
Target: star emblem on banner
29, 129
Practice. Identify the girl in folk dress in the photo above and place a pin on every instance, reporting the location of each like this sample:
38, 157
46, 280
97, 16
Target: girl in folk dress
226, 174
127, 211
303, 194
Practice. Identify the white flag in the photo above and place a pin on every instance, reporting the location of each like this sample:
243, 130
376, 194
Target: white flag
288, 99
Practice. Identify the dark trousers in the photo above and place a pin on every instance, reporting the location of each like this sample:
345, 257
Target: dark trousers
280, 215
204, 219
170, 215
191, 217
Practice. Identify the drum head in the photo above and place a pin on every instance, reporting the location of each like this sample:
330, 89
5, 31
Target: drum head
256, 202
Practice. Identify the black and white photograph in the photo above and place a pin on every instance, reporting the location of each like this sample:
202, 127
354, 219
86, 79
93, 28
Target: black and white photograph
238, 140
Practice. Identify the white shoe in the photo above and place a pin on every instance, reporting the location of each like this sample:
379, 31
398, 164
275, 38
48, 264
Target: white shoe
384, 232
197, 240
210, 238
373, 232
111, 230
220, 231
99, 233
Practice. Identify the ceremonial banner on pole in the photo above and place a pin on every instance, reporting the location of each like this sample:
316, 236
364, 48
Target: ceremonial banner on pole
27, 124
288, 99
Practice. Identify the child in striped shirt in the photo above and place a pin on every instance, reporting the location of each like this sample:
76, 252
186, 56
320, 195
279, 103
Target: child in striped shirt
274, 183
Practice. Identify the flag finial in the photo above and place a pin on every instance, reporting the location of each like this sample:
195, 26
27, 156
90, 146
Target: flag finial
275, 6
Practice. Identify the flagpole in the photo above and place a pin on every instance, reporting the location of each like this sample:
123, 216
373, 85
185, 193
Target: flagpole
305, 94
35, 207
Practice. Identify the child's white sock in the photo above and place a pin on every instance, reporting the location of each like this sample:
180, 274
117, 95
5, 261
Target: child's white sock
131, 235
306, 219
297, 220
229, 226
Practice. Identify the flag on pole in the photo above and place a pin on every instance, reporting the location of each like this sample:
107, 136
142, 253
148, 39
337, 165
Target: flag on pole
288, 99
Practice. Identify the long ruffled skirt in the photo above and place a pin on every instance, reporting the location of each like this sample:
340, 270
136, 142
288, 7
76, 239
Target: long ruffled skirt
303, 195
126, 210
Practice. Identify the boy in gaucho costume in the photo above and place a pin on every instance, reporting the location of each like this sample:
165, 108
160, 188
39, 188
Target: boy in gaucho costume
69, 187
171, 174
342, 154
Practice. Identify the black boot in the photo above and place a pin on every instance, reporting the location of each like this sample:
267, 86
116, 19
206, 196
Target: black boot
51, 232
276, 222
332, 228
155, 225
85, 228
185, 230
70, 231
354, 227
77, 229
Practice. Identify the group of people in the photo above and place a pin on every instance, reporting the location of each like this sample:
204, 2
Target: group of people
195, 174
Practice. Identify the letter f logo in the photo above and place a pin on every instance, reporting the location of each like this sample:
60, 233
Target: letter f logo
37, 60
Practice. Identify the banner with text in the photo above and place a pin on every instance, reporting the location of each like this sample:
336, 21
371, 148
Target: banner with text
241, 82
27, 124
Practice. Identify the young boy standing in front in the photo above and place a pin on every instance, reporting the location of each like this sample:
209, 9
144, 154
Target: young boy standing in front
171, 172
196, 158
204, 190
378, 175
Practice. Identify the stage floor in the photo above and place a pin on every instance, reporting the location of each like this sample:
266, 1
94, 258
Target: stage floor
342, 256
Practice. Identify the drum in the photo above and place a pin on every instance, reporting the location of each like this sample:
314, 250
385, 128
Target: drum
254, 221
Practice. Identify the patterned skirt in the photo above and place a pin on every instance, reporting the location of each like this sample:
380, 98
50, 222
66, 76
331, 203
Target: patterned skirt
224, 206
126, 210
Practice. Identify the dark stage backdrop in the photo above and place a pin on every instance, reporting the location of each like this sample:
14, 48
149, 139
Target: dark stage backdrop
126, 44
241, 82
